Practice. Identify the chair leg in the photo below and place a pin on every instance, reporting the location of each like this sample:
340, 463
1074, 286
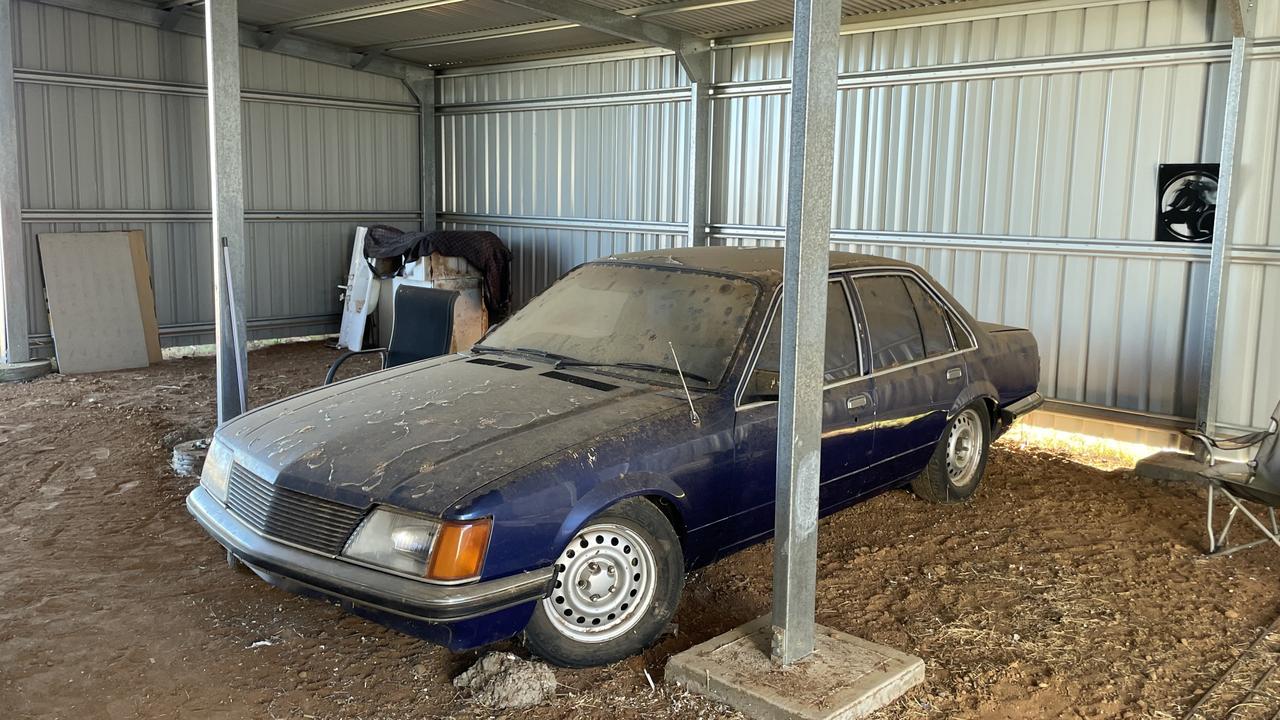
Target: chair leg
1271, 534
1226, 529
1213, 540
1218, 541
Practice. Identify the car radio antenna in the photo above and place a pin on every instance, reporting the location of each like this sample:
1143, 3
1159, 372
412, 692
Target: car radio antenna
693, 414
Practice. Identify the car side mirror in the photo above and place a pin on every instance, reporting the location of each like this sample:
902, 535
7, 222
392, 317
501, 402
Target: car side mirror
762, 387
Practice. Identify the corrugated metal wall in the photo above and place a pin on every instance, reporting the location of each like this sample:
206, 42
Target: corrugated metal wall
1250, 369
1014, 156
112, 123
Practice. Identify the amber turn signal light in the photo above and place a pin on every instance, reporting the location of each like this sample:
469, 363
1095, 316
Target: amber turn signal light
460, 550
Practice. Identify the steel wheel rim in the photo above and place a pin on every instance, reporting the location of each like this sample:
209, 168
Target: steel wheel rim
604, 582
964, 448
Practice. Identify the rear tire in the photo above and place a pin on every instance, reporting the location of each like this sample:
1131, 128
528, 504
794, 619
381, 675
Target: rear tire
617, 587
957, 465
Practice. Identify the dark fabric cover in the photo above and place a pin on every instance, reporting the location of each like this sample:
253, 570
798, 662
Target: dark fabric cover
484, 250
423, 326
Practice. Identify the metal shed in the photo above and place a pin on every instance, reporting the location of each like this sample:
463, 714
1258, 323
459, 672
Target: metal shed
1010, 148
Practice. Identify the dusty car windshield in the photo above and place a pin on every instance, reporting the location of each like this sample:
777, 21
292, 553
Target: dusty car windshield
618, 315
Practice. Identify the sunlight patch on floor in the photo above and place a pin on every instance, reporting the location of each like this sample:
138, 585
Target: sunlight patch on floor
1096, 452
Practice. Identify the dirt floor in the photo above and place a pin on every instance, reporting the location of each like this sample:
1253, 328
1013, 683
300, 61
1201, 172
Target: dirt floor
1060, 591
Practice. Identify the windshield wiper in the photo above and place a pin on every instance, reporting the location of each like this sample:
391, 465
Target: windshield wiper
548, 355
557, 357
633, 366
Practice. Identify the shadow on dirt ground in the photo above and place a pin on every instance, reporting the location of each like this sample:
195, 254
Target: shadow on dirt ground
1059, 591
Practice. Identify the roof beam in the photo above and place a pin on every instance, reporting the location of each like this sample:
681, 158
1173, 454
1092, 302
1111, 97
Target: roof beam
473, 36
611, 23
192, 23
354, 14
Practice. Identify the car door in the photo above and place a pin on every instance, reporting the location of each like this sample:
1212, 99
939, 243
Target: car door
847, 409
917, 369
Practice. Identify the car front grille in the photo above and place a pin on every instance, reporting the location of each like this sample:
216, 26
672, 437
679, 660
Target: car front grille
303, 520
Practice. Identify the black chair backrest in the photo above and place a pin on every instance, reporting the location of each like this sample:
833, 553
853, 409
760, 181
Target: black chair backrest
423, 324
1266, 475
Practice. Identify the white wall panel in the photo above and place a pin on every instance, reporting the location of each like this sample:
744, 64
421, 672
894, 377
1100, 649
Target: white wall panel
566, 78
1029, 191
619, 162
1037, 33
319, 141
1249, 382
292, 272
53, 39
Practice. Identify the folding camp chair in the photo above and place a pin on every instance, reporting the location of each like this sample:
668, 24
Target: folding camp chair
1256, 480
422, 327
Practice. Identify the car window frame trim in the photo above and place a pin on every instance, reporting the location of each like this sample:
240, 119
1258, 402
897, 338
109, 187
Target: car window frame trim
836, 276
847, 277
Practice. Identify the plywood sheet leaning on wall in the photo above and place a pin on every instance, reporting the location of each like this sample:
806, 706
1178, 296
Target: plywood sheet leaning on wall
101, 304
146, 293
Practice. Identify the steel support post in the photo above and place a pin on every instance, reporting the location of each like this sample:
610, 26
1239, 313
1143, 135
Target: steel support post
698, 67
423, 86
14, 345
804, 309
222, 69
1220, 255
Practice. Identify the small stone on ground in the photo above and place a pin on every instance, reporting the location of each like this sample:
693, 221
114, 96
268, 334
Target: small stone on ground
506, 682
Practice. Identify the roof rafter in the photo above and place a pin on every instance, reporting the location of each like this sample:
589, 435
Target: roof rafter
472, 36
609, 22
363, 12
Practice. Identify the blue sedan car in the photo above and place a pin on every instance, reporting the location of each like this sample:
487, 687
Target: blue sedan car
559, 479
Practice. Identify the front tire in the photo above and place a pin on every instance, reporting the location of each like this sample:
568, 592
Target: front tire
954, 471
617, 586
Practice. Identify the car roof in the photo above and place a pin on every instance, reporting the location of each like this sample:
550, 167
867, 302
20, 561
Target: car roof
759, 263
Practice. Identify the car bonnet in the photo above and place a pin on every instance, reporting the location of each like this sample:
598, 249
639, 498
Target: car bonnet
422, 436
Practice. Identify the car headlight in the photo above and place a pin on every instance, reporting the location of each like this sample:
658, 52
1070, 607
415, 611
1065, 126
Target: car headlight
420, 547
217, 470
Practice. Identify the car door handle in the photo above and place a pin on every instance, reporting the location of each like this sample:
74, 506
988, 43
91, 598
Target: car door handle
857, 402
954, 374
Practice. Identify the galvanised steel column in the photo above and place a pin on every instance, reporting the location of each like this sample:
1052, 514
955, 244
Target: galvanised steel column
14, 345
698, 68
1242, 14
222, 69
423, 86
804, 310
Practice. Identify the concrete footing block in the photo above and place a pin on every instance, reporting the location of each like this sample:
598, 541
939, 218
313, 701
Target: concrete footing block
845, 678
19, 371
1171, 467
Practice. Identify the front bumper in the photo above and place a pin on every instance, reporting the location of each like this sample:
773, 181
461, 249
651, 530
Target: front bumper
360, 586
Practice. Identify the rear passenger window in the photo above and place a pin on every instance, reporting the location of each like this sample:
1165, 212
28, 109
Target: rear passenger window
892, 326
958, 334
842, 340
933, 320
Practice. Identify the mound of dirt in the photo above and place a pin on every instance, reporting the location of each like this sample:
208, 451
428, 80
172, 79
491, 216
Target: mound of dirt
503, 681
